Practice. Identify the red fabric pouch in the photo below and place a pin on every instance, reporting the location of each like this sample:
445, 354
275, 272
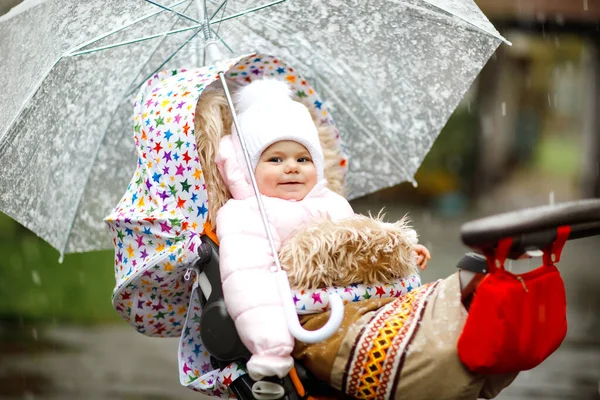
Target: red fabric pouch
515, 321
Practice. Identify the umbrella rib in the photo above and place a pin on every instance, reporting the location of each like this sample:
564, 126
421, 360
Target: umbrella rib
223, 41
163, 63
493, 34
107, 34
218, 9
363, 128
167, 8
104, 135
137, 40
215, 13
248, 11
26, 102
166, 33
153, 53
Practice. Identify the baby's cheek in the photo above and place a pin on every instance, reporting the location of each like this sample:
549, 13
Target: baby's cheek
267, 182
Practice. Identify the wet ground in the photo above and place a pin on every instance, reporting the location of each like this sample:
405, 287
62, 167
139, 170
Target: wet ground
114, 362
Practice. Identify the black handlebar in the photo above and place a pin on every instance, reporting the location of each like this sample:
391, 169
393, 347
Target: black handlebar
533, 227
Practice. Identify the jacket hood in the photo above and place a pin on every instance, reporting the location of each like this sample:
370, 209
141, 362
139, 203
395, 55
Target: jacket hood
213, 106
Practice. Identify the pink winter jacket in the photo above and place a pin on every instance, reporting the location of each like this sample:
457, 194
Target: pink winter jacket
249, 287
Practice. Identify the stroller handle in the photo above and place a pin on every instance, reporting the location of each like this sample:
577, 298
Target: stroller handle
332, 325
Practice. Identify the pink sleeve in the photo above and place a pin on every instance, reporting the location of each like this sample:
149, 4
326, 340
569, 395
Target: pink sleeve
250, 291
231, 171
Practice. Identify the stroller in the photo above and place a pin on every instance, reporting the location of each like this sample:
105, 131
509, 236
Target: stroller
166, 259
534, 228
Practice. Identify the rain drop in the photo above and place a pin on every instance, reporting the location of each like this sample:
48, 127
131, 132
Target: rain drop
36, 278
427, 217
540, 17
560, 19
551, 198
34, 334
504, 109
429, 245
585, 5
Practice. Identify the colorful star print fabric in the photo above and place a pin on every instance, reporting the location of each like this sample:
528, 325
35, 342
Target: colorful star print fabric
195, 370
317, 300
156, 226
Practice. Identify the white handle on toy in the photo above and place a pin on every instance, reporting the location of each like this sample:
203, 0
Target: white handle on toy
335, 319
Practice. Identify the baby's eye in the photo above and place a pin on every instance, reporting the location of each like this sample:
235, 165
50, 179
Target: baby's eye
275, 159
303, 159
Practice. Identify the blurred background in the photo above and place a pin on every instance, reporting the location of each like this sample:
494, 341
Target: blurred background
526, 134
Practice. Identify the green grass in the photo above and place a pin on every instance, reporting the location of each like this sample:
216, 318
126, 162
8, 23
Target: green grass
34, 286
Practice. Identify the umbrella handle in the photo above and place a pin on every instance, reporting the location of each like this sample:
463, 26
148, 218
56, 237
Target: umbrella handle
332, 325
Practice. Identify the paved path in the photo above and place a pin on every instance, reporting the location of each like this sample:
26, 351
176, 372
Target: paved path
115, 362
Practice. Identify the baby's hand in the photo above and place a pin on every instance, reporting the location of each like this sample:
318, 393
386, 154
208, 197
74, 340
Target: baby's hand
422, 255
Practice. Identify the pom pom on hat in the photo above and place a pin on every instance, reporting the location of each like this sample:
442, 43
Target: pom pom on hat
261, 91
267, 114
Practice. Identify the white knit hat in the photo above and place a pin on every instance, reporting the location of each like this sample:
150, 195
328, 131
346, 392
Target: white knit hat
267, 114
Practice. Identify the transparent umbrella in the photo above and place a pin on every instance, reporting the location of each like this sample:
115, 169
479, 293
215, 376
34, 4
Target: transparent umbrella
391, 73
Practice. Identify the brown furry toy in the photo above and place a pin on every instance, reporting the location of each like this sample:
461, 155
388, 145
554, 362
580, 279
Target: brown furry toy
359, 249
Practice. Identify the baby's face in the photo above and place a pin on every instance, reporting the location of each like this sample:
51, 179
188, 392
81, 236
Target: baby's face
285, 170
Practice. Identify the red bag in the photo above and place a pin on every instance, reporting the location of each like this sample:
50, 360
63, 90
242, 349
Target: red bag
515, 321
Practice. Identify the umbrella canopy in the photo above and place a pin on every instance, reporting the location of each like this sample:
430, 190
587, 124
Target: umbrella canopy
391, 73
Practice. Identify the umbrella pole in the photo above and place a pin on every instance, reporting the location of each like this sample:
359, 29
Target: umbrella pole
212, 54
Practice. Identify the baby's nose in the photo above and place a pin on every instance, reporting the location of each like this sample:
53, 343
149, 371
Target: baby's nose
292, 166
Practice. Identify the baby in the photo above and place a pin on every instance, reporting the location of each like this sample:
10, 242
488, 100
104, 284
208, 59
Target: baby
288, 165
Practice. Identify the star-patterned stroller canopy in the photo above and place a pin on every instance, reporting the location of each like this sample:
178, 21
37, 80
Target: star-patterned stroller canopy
156, 226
